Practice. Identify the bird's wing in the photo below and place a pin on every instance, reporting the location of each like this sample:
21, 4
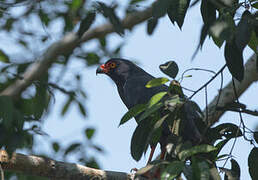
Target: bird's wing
135, 91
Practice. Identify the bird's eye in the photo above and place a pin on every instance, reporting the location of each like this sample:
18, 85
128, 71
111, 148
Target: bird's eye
113, 65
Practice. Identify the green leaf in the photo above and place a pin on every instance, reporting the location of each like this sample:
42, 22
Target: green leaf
82, 109
76, 4
139, 141
156, 82
256, 136
44, 17
3, 57
73, 147
156, 98
135, 1
208, 12
55, 146
92, 58
151, 25
89, 132
234, 60
150, 110
109, 12
244, 30
133, 112
219, 147
169, 68
253, 41
40, 101
66, 106
204, 148
177, 10
253, 163
160, 8
86, 23
200, 169
173, 170
6, 111
255, 5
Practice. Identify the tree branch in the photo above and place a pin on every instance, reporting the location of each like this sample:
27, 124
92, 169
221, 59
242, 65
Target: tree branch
66, 46
227, 93
49, 168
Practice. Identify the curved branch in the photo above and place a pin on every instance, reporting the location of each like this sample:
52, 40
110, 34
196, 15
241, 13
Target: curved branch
66, 46
49, 168
227, 93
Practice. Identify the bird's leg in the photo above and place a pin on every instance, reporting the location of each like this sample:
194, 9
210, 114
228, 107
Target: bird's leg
151, 153
163, 153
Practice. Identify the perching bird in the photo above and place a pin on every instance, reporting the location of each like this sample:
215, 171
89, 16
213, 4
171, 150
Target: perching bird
131, 82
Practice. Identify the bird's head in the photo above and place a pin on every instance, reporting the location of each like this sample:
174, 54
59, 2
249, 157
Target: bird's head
118, 69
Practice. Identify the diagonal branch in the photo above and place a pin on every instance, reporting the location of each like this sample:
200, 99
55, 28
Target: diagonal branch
227, 93
66, 46
49, 168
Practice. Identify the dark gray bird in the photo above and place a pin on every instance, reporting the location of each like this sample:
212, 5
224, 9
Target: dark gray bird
130, 81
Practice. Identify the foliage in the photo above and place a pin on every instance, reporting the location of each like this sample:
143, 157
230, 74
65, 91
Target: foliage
203, 156
22, 117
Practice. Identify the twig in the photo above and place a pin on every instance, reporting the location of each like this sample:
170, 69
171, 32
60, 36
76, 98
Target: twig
246, 111
195, 69
203, 86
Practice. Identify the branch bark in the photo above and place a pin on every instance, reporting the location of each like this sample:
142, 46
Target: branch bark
227, 93
49, 168
66, 46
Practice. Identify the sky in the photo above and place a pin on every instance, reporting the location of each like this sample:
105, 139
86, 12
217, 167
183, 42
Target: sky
105, 108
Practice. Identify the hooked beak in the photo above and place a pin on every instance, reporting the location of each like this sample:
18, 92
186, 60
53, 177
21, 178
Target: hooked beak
101, 70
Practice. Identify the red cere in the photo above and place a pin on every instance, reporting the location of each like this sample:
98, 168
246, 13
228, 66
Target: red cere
104, 68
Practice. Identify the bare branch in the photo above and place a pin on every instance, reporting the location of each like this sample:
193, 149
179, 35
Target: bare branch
66, 46
46, 167
227, 93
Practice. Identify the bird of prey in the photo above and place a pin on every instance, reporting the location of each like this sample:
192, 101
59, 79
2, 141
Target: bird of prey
131, 82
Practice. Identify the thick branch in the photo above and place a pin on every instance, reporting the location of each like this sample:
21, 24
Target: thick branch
46, 167
227, 93
66, 46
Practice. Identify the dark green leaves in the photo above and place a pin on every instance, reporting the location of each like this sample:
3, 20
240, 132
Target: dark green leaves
160, 8
208, 12
86, 23
244, 30
73, 147
4, 57
177, 11
133, 112
204, 148
6, 110
234, 48
89, 132
169, 68
234, 60
253, 163
173, 170
151, 25
109, 12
